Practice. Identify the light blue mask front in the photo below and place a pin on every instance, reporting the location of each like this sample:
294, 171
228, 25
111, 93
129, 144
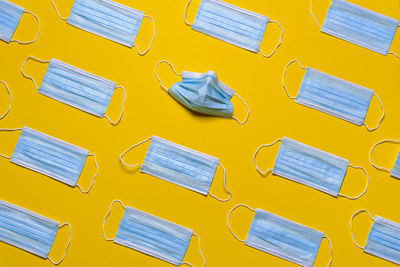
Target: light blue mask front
27, 230
152, 235
10, 15
383, 239
334, 96
282, 238
360, 26
310, 166
395, 172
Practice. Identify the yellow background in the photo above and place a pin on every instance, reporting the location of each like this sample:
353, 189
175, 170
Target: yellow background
150, 110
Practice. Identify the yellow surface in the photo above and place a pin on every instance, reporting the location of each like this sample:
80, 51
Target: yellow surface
150, 110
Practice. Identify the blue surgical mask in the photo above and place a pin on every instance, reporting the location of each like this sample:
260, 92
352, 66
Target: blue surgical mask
10, 15
9, 100
334, 96
29, 231
383, 239
179, 165
108, 19
50, 156
395, 171
203, 93
310, 166
282, 238
77, 88
232, 24
152, 235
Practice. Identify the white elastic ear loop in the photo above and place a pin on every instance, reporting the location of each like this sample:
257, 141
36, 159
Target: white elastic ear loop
255, 155
9, 99
312, 14
394, 54
381, 142
173, 69
8, 130
351, 225
132, 147
248, 111
229, 215
37, 35
284, 75
152, 39
380, 121
108, 213
330, 245
66, 249
23, 65
97, 172
122, 111
184, 17
54, 5
201, 254
279, 43
366, 186
226, 188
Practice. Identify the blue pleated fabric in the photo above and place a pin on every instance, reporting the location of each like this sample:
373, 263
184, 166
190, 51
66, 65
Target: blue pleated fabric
310, 166
384, 240
153, 236
395, 172
283, 238
49, 156
360, 26
231, 24
334, 96
107, 19
10, 15
77, 88
26, 230
179, 165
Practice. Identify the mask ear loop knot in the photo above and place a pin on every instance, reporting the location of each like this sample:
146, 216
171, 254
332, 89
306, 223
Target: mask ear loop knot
66, 249
30, 77
173, 69
37, 35
229, 215
226, 188
284, 75
312, 14
366, 186
184, 17
9, 99
114, 123
248, 111
330, 246
351, 225
279, 43
380, 121
129, 149
152, 39
255, 155
54, 5
201, 254
108, 213
94, 177
8, 130
372, 150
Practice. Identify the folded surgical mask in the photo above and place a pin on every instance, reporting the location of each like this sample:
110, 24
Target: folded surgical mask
10, 15
29, 231
153, 236
232, 24
334, 96
76, 88
359, 26
395, 171
310, 166
179, 165
108, 19
9, 99
282, 238
50, 156
383, 239
203, 93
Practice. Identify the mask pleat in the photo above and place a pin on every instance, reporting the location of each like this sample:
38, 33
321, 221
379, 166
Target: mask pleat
395, 172
10, 15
